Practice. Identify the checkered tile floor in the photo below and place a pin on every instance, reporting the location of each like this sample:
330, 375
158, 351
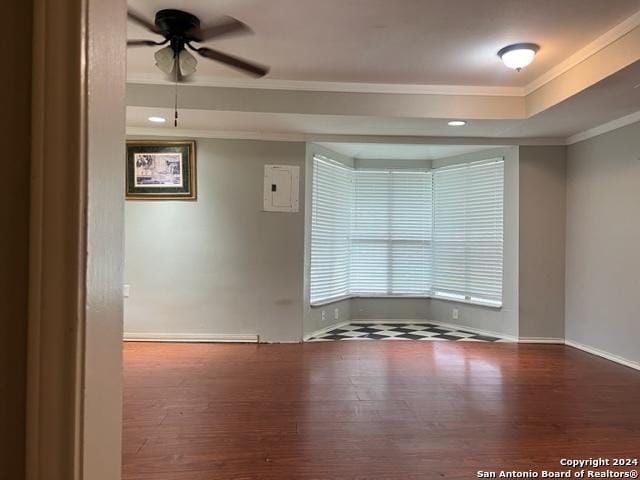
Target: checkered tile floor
401, 331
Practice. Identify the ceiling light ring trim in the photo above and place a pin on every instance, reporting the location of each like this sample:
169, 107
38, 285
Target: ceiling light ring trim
519, 46
531, 49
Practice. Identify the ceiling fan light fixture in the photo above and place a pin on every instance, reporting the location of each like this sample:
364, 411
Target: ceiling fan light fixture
165, 60
157, 119
187, 62
518, 55
457, 123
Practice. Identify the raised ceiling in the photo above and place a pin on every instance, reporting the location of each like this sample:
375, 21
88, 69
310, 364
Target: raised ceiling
210, 111
440, 42
344, 70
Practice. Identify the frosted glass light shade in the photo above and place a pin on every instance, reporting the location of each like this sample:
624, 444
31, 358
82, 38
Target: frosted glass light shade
187, 62
519, 55
165, 60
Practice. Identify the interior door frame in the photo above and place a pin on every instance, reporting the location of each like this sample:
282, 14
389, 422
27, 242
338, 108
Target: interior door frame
74, 393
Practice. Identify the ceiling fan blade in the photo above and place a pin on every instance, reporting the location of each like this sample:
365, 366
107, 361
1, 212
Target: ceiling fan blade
235, 62
142, 43
135, 17
227, 26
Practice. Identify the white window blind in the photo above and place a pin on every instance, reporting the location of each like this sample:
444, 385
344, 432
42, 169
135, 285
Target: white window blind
391, 233
407, 232
468, 231
332, 206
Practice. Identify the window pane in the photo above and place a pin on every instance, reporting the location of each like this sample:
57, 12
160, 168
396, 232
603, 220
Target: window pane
391, 235
468, 229
332, 205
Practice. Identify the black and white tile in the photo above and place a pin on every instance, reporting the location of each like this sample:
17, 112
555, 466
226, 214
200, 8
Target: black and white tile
401, 331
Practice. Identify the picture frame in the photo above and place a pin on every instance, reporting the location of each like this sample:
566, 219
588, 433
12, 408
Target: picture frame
161, 170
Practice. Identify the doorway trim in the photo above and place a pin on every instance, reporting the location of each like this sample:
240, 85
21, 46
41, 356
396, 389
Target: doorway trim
74, 393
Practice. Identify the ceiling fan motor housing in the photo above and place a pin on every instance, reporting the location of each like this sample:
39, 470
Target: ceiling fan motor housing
175, 23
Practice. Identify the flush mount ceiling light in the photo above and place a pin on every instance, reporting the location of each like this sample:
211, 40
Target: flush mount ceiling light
157, 119
457, 123
519, 55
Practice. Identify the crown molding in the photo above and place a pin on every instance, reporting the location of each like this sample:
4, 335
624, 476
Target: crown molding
320, 137
223, 134
343, 87
604, 128
617, 32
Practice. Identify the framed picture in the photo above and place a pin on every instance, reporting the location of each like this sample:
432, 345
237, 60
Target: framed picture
161, 170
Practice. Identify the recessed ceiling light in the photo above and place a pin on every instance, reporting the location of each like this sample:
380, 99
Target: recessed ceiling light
457, 123
157, 119
519, 55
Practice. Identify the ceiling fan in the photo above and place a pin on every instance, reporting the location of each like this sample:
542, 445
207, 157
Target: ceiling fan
180, 30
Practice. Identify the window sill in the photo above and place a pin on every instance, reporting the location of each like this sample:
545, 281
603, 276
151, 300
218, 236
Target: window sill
329, 301
478, 303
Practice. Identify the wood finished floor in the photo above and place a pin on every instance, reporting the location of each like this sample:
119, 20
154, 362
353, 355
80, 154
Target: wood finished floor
369, 410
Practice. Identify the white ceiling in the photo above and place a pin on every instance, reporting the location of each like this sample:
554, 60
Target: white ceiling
391, 151
346, 71
400, 41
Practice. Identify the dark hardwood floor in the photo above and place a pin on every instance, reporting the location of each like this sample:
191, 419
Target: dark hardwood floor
370, 410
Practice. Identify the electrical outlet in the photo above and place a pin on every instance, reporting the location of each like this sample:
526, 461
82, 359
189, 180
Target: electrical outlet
323, 315
454, 314
336, 314
126, 290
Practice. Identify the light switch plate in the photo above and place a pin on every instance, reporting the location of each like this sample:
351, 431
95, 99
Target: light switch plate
126, 290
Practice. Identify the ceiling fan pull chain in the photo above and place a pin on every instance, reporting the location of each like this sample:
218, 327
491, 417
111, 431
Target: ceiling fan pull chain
175, 105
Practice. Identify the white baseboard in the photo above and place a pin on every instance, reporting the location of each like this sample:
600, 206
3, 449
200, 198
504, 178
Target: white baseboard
601, 353
274, 342
479, 331
551, 340
252, 338
324, 330
451, 326
192, 337
391, 321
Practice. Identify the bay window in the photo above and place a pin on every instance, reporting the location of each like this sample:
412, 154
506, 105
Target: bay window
407, 232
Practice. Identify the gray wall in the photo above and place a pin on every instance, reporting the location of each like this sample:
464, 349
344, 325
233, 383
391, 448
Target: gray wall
219, 265
205, 259
603, 237
390, 309
499, 320
542, 241
334, 313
